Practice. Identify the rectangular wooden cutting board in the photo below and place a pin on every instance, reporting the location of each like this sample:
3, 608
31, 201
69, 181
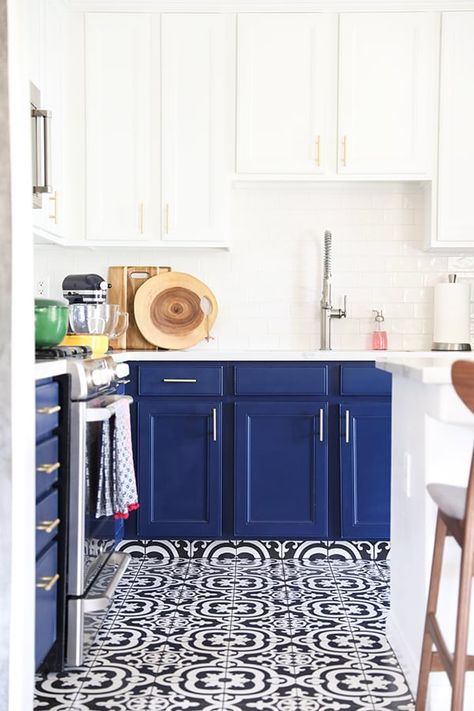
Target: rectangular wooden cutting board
125, 282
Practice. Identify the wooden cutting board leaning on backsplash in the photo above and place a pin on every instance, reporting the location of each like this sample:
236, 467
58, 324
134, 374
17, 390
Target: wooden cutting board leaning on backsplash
125, 282
175, 310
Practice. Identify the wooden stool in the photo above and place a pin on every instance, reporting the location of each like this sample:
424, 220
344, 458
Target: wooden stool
455, 518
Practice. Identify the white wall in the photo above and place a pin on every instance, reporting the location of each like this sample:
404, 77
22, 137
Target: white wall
21, 643
269, 285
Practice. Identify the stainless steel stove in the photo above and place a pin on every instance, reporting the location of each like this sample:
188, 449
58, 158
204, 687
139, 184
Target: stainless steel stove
94, 567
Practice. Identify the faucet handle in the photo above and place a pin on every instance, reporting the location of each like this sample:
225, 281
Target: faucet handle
344, 309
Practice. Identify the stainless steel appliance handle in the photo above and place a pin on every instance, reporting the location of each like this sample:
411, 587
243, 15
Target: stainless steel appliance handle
96, 603
100, 414
43, 157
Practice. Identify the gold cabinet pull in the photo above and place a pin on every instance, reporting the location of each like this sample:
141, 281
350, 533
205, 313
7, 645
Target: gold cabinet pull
167, 218
48, 468
48, 582
141, 218
49, 410
54, 216
48, 526
214, 424
317, 149
321, 425
347, 426
344, 151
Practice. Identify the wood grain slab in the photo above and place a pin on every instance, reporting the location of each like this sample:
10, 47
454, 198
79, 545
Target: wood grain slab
125, 282
169, 313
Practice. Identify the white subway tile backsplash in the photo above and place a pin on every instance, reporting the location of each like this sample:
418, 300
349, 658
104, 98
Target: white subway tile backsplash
269, 284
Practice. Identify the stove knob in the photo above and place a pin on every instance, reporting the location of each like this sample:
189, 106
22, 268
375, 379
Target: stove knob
121, 370
100, 378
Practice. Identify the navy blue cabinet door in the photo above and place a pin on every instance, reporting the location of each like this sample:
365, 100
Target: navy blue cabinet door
281, 469
365, 470
179, 469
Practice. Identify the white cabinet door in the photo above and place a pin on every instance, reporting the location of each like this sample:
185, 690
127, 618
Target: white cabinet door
53, 92
456, 136
387, 92
286, 94
198, 70
118, 100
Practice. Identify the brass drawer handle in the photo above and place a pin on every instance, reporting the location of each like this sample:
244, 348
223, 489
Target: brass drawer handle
180, 380
48, 468
48, 526
49, 581
344, 151
54, 216
51, 410
317, 157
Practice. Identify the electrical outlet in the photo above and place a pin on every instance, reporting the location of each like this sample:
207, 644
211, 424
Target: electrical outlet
42, 287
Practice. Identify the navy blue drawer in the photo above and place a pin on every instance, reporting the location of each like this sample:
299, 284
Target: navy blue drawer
182, 379
47, 465
46, 603
47, 408
365, 381
280, 380
47, 521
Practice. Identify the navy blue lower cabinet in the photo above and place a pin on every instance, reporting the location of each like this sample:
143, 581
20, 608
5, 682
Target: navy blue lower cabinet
365, 434
179, 468
281, 469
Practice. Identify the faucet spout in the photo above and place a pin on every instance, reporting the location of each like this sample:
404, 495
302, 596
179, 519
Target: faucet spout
327, 310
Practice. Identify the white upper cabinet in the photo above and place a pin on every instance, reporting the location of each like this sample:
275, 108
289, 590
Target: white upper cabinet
456, 136
387, 93
286, 98
46, 50
118, 91
197, 114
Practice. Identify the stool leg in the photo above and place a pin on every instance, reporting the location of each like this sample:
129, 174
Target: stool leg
433, 592
462, 623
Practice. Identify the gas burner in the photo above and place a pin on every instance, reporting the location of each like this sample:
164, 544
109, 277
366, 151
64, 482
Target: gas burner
58, 352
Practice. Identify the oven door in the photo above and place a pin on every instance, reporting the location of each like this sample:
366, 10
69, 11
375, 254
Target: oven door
101, 534
95, 567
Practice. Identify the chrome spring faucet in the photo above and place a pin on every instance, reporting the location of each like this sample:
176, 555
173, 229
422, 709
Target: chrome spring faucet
327, 310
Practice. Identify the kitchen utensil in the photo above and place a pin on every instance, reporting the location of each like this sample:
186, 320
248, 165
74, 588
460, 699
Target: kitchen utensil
51, 318
98, 343
168, 310
85, 289
125, 282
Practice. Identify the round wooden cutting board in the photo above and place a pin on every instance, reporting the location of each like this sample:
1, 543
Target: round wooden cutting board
170, 313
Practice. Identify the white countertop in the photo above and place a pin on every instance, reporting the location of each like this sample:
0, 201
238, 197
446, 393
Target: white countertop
202, 354
49, 368
412, 361
432, 369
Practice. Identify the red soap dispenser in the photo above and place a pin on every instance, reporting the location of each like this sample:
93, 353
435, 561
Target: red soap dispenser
379, 336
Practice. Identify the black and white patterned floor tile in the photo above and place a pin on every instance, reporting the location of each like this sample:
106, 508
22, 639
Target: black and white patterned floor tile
258, 550
231, 633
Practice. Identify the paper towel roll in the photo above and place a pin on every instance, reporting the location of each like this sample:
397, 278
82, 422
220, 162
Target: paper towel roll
452, 313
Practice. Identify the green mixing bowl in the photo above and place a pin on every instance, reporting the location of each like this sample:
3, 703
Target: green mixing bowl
51, 320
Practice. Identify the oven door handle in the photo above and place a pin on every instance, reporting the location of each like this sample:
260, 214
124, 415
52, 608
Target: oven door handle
100, 414
97, 603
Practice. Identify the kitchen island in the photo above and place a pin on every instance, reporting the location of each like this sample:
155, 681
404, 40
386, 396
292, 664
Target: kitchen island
432, 436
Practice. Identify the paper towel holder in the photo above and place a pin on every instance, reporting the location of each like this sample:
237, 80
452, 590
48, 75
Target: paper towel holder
439, 346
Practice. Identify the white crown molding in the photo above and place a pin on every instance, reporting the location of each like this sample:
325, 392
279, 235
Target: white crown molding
268, 5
